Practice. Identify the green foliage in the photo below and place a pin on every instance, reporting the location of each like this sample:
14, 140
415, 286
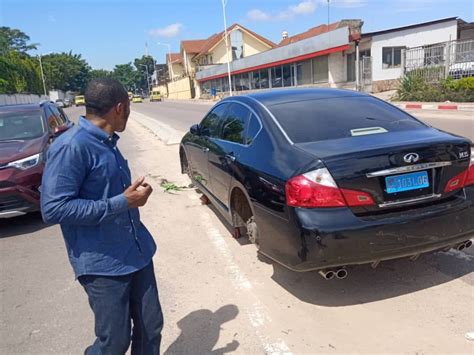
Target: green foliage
127, 75
19, 74
15, 40
65, 71
415, 88
99, 73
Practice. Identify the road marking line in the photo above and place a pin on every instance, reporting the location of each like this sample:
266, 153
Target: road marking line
256, 313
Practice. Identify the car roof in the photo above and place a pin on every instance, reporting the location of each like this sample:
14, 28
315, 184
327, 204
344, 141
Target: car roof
279, 96
21, 107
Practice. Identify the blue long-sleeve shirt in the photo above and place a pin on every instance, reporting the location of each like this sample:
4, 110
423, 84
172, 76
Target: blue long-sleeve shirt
82, 190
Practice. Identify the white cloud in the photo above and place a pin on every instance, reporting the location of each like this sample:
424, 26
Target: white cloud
349, 4
258, 15
305, 7
169, 31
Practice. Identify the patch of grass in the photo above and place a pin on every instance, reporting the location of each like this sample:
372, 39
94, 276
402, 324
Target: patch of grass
170, 187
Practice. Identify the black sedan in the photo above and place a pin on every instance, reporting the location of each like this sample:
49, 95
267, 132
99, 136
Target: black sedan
324, 178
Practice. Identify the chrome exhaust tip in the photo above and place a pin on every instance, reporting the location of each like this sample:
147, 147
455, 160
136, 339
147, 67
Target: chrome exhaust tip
461, 246
341, 274
327, 275
467, 244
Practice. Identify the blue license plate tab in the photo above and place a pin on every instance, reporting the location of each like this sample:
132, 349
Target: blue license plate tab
407, 182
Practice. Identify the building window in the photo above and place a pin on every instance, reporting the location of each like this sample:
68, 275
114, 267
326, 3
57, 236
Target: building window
303, 73
264, 82
237, 44
320, 69
255, 79
391, 57
241, 82
277, 81
287, 77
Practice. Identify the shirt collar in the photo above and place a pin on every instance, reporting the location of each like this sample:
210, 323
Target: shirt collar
92, 129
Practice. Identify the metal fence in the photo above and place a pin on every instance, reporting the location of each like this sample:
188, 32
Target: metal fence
438, 61
21, 99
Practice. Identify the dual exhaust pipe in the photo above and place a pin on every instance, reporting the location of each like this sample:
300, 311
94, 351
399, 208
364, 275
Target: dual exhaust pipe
464, 245
330, 274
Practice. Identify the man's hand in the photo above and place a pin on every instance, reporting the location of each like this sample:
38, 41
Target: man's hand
137, 193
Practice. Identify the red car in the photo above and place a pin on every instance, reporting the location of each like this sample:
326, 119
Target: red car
26, 131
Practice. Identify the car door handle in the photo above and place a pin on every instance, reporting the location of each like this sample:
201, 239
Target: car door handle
230, 157
205, 149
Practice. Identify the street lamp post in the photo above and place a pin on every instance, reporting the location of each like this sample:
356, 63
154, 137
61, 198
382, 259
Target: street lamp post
224, 4
42, 75
147, 77
170, 65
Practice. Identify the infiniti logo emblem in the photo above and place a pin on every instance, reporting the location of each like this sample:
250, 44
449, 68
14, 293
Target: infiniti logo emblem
411, 158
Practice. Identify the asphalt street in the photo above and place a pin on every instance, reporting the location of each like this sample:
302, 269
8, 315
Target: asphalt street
218, 295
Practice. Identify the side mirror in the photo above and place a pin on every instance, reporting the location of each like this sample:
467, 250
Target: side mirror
195, 130
60, 129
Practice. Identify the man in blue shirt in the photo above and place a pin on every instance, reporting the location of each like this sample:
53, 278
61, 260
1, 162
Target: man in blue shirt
87, 189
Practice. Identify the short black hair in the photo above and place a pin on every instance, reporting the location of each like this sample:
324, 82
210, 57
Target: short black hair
102, 94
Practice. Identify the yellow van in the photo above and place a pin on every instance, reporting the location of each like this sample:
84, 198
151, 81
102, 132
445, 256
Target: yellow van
155, 96
79, 100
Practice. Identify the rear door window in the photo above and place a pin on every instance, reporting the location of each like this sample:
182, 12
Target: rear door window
212, 123
235, 124
333, 118
254, 127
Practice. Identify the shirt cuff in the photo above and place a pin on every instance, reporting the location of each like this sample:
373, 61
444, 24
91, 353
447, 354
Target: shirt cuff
118, 203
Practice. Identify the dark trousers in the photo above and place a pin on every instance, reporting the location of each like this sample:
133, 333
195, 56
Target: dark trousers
117, 301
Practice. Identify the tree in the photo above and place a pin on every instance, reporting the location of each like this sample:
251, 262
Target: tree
127, 75
66, 71
12, 39
99, 73
19, 74
144, 64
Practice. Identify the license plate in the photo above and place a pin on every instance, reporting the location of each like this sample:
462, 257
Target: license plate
407, 182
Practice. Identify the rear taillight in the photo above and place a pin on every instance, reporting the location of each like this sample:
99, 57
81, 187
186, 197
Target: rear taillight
470, 172
463, 179
318, 189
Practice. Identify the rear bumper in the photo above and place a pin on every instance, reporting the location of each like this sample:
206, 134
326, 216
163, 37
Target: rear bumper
19, 191
336, 237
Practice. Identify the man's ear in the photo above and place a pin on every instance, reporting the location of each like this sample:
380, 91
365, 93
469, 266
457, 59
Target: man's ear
119, 108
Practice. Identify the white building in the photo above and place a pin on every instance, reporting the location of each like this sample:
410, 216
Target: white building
386, 47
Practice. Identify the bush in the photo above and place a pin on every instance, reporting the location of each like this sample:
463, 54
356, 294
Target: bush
415, 88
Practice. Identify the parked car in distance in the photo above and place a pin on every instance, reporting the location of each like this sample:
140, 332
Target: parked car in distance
155, 96
79, 100
67, 102
137, 99
60, 103
324, 178
26, 131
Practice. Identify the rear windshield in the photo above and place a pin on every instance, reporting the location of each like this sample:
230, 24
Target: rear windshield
317, 120
21, 125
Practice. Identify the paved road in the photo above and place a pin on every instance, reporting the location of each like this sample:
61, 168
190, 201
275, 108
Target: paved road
181, 116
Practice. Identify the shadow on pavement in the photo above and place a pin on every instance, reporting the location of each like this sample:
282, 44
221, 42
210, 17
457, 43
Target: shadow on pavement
364, 285
200, 332
29, 223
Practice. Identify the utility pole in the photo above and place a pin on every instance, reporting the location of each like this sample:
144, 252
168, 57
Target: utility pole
224, 4
147, 78
328, 13
42, 75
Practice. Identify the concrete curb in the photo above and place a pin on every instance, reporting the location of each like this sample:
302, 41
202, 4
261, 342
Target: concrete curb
445, 106
165, 133
191, 101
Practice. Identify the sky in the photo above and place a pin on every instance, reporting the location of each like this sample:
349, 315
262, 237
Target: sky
110, 32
